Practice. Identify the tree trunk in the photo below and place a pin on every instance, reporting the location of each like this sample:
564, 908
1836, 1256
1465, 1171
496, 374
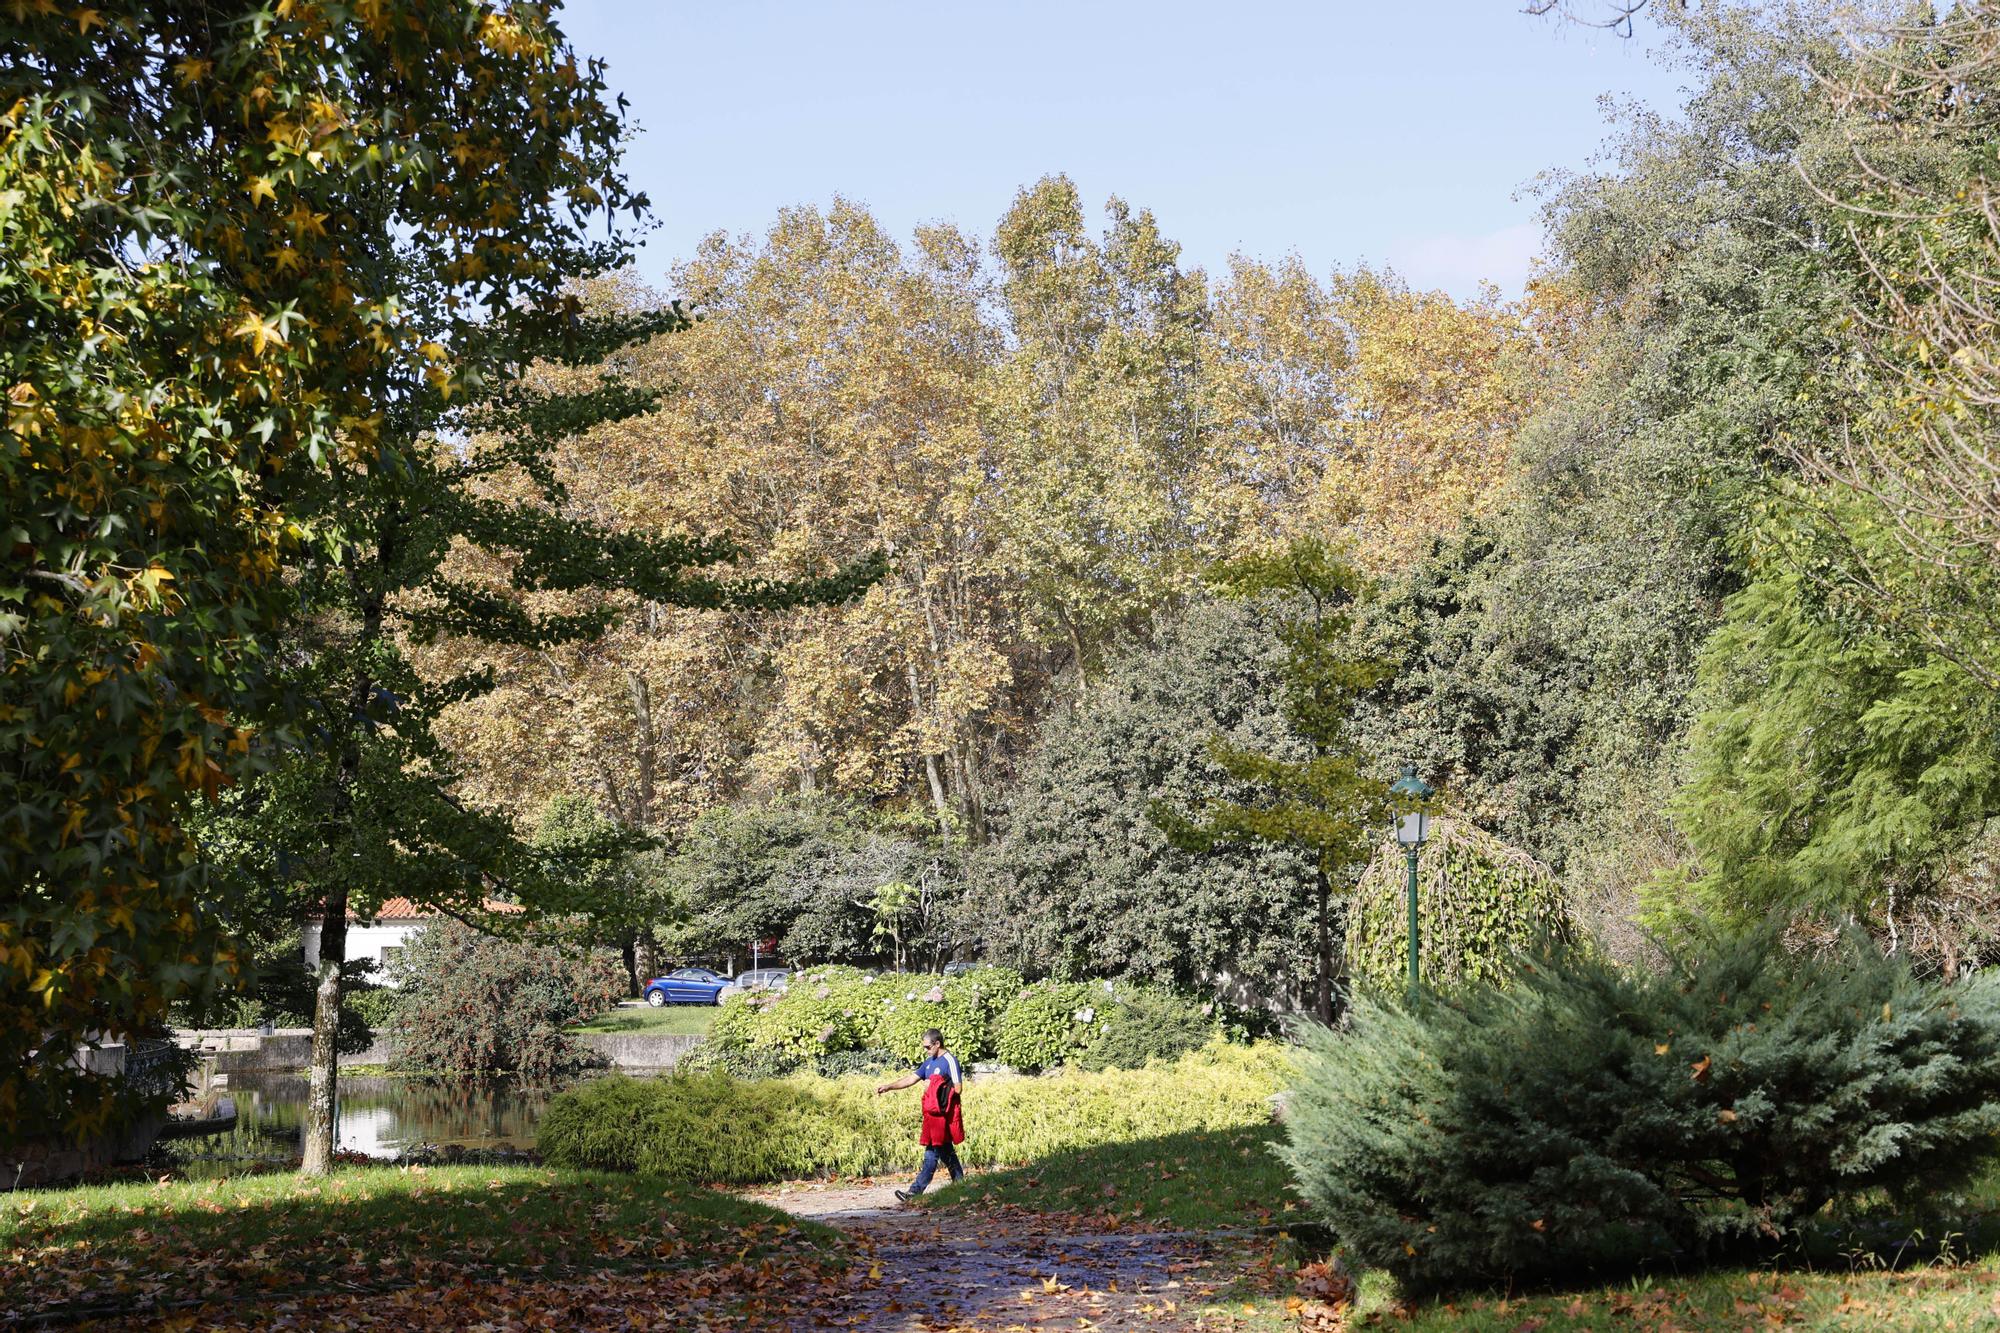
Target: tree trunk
324, 1072
939, 802
1323, 1006
630, 951
645, 747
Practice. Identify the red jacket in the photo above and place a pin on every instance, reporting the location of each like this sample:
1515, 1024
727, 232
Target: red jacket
944, 1121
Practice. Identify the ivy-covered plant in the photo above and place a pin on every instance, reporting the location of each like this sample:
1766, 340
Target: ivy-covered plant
1479, 902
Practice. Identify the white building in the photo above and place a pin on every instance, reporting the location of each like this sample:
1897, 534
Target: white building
379, 938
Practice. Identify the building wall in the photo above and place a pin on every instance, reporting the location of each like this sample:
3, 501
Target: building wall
369, 942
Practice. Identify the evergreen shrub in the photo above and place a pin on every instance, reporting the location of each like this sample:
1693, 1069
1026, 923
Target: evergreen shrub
1587, 1117
1144, 1024
1051, 1022
713, 1128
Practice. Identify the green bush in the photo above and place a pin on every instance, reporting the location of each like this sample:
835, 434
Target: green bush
710, 1127
966, 1008
1050, 1022
829, 1011
735, 1025
1143, 1024
825, 1010
1583, 1116
374, 1006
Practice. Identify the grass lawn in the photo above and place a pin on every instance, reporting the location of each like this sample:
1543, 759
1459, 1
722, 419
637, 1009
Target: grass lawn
676, 1020
501, 1233
1209, 1180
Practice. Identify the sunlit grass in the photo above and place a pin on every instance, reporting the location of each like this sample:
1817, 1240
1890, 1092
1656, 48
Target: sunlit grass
676, 1020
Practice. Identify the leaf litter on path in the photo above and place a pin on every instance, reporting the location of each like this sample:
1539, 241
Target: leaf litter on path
936, 1270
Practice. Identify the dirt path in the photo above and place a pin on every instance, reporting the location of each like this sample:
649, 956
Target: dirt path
945, 1269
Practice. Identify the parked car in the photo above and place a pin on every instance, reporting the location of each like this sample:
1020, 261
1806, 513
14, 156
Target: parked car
688, 985
765, 978
958, 968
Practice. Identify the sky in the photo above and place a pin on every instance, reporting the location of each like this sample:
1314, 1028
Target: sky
1398, 132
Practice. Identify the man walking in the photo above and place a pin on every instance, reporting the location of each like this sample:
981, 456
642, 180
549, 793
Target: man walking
943, 1124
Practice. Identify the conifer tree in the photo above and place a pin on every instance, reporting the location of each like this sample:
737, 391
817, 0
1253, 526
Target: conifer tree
1326, 802
457, 532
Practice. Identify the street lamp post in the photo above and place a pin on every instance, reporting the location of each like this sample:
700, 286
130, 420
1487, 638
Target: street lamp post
1413, 825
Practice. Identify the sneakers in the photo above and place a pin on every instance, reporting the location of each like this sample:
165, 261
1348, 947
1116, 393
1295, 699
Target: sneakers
904, 1196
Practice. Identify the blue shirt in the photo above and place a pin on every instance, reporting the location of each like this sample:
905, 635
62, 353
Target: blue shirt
946, 1064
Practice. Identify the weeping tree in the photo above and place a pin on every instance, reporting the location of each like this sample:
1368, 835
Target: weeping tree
1325, 802
1479, 902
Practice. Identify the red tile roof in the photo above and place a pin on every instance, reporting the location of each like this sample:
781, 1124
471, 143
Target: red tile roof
402, 909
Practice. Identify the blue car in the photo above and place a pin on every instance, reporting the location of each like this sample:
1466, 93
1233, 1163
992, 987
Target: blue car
688, 985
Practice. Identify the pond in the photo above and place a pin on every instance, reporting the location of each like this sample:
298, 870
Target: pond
375, 1116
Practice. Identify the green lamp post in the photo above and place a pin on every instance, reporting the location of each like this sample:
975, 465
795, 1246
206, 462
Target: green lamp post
1408, 795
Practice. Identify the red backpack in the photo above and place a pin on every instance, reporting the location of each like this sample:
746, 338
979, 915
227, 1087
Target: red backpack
944, 1121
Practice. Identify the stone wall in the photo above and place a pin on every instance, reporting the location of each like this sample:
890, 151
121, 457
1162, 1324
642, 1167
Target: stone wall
238, 1050
639, 1052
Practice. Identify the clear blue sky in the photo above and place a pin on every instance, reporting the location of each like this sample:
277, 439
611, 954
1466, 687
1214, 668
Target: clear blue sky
1345, 130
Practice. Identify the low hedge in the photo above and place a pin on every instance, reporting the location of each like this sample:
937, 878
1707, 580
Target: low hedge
830, 1010
985, 1014
713, 1128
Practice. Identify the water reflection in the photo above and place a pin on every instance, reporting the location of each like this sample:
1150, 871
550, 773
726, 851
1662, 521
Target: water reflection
374, 1116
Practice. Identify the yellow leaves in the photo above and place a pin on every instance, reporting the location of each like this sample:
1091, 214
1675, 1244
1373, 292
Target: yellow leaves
261, 188
151, 583
1699, 1070
1662, 1048
86, 19
258, 332
503, 35
192, 70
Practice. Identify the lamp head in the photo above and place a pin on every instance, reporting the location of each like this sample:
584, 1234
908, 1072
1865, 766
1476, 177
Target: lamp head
1409, 792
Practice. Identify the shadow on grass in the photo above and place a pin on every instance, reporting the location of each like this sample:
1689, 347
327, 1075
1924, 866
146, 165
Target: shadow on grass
1201, 1180
125, 1248
1869, 1267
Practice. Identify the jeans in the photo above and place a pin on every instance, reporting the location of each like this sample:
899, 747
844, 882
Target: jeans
942, 1152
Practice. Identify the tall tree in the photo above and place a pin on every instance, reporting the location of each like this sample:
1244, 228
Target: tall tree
1916, 210
208, 212
386, 822
1082, 883
1326, 802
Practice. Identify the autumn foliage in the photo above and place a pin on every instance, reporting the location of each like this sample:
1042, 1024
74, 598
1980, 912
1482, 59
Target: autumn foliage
205, 216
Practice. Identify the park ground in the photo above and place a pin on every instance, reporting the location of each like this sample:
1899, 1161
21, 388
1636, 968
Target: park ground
673, 1020
1196, 1231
